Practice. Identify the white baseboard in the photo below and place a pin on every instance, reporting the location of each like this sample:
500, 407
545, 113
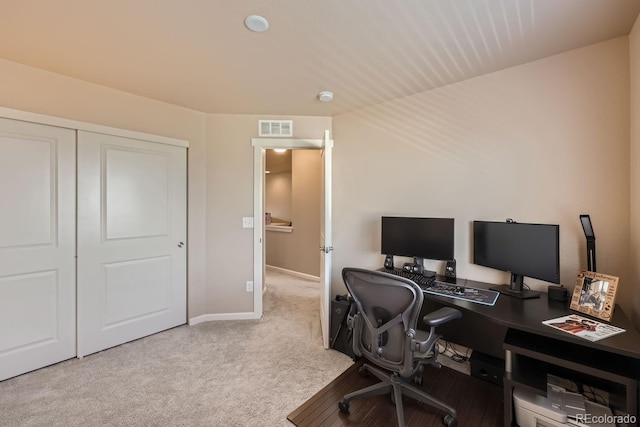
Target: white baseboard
293, 273
250, 315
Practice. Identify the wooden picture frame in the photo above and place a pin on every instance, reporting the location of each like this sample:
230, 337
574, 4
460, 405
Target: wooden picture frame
595, 294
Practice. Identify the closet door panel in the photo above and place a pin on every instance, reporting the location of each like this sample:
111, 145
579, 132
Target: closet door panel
37, 246
131, 239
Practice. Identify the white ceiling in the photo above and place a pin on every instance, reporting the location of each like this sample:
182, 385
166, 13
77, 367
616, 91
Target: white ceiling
198, 54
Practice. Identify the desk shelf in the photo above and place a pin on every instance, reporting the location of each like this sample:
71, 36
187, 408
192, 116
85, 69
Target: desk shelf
534, 357
529, 373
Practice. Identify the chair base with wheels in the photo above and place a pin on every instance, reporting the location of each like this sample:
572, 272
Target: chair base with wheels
385, 332
396, 386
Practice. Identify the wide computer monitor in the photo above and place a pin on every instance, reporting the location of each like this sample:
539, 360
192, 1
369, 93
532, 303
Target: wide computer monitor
430, 238
531, 250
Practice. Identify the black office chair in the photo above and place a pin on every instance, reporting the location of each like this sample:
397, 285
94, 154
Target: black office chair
385, 333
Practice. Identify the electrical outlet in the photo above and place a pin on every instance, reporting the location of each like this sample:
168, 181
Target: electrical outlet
249, 286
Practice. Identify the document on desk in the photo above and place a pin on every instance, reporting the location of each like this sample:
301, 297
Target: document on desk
583, 327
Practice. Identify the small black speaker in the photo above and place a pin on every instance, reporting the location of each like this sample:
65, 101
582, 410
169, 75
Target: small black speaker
558, 293
450, 269
417, 269
408, 267
388, 262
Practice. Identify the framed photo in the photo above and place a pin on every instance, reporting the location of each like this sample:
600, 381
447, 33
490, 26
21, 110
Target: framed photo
595, 294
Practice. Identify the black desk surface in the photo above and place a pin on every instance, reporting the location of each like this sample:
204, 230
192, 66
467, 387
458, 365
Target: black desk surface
527, 316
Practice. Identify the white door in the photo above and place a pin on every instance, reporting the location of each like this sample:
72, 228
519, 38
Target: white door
325, 241
131, 239
37, 246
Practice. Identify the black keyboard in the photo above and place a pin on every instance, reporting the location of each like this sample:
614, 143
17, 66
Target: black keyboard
423, 281
432, 286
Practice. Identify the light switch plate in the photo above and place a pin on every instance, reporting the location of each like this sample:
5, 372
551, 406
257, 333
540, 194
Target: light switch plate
247, 222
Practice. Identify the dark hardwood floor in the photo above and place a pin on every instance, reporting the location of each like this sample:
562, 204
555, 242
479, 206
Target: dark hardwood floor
478, 403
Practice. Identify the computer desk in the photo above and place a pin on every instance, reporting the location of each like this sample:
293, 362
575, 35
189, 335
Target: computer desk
531, 350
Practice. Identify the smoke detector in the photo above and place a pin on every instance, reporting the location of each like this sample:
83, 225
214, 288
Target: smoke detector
256, 23
325, 96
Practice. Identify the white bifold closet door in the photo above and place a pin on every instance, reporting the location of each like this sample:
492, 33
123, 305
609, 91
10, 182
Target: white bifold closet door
37, 246
131, 239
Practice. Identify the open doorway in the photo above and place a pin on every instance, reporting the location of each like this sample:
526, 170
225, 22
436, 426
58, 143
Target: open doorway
324, 251
292, 202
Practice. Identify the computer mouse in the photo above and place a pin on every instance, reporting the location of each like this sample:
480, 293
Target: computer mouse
459, 290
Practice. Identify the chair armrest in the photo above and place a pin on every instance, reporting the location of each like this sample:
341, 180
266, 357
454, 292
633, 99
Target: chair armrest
441, 316
432, 320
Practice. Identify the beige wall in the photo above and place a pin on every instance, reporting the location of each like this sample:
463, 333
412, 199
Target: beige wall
277, 195
634, 49
542, 142
229, 184
37, 91
220, 170
298, 251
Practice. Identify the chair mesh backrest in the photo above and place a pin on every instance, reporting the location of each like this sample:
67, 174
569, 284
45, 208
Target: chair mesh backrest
391, 306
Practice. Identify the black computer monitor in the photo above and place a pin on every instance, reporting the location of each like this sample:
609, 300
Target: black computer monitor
430, 238
531, 250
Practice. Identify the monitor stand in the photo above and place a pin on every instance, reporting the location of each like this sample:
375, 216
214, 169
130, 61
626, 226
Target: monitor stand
516, 289
524, 294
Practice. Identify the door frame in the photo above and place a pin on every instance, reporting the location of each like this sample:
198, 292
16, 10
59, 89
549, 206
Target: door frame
42, 119
259, 147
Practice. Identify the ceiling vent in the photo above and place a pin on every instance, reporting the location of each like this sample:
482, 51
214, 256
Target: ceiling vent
275, 128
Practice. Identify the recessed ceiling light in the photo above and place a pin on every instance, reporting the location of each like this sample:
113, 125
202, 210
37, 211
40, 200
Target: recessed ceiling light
280, 150
256, 23
325, 96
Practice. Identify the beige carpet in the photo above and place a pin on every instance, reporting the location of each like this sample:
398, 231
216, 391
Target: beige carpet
231, 373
